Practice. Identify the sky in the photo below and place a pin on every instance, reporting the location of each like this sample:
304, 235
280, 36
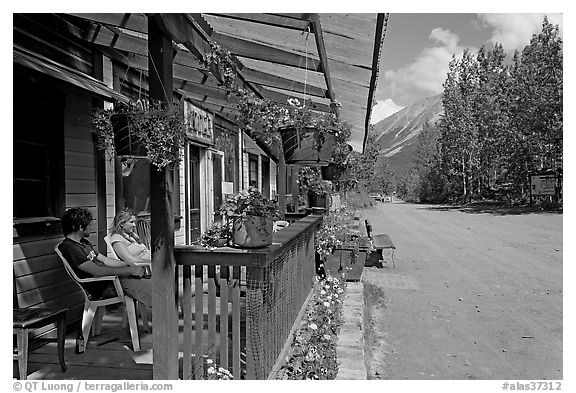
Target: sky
418, 47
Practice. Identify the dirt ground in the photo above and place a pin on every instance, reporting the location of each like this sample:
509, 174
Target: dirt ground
476, 293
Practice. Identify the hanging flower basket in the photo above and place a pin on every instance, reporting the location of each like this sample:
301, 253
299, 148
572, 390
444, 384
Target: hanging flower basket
252, 231
306, 146
332, 171
127, 143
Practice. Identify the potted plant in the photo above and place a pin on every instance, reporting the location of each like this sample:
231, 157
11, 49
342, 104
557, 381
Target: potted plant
251, 216
339, 162
318, 191
308, 137
141, 131
338, 233
220, 63
215, 236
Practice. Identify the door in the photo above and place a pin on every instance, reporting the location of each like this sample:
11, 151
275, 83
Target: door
217, 177
194, 196
266, 177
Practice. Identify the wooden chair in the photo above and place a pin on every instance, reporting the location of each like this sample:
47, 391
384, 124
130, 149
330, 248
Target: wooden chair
26, 319
91, 306
144, 231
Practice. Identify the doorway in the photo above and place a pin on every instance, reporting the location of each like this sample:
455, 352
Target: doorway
194, 193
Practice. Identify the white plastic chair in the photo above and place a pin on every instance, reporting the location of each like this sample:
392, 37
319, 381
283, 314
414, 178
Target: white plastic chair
91, 310
279, 225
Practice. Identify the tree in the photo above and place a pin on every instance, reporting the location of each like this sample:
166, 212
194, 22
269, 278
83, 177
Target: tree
491, 107
537, 94
458, 129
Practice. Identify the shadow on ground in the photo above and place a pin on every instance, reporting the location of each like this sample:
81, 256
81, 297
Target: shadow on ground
494, 208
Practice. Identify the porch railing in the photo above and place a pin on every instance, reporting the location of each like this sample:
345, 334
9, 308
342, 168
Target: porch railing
239, 306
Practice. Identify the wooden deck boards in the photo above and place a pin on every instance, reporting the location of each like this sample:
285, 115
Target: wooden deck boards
109, 355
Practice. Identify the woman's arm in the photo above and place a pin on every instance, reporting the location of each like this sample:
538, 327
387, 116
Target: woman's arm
98, 270
112, 262
125, 255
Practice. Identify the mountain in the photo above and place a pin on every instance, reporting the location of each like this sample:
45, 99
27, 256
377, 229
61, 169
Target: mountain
398, 133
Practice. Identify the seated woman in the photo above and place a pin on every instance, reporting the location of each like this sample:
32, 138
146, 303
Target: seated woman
87, 262
124, 240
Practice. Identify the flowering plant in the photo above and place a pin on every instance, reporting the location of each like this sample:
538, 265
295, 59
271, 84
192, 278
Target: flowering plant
215, 236
209, 369
313, 352
249, 202
320, 187
264, 118
336, 232
161, 132
221, 64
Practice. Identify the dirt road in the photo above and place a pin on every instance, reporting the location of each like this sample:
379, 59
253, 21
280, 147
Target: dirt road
475, 294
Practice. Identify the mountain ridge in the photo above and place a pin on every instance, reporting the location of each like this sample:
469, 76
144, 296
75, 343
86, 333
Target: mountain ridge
397, 134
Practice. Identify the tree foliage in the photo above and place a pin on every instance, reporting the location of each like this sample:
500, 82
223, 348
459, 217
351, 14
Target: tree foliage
501, 122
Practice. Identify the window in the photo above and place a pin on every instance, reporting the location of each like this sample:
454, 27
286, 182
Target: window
252, 170
38, 189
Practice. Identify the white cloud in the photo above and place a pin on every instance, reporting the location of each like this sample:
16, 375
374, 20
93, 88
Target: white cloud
514, 31
444, 36
429, 69
383, 109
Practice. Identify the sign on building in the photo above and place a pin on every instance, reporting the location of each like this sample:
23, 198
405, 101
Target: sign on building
200, 123
543, 184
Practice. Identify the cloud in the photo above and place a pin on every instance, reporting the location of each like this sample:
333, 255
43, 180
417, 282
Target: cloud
514, 31
429, 69
446, 37
383, 109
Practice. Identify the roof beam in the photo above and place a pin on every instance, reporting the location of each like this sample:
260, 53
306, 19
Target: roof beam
290, 85
270, 20
381, 25
257, 51
317, 29
134, 22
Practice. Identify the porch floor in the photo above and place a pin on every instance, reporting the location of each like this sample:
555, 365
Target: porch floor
109, 355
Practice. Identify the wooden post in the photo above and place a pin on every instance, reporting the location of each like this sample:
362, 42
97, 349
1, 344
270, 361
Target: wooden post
164, 300
281, 184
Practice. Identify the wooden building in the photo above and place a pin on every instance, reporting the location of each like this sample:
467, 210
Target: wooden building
67, 65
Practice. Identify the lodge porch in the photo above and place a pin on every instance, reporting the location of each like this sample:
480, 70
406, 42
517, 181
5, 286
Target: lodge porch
248, 301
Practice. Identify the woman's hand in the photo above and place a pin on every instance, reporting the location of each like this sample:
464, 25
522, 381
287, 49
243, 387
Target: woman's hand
138, 271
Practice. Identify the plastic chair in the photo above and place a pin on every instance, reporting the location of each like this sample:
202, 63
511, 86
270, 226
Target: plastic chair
26, 319
91, 310
279, 225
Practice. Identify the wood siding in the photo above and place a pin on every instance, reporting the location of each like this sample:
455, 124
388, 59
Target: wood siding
39, 276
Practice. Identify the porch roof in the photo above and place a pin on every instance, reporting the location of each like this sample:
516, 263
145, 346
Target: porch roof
46, 66
331, 60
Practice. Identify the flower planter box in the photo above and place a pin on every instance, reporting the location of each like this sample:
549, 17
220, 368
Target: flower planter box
300, 147
126, 143
252, 232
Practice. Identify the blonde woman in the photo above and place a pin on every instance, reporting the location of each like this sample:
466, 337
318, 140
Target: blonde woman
124, 240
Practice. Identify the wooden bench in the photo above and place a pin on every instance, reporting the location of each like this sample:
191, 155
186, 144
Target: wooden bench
381, 242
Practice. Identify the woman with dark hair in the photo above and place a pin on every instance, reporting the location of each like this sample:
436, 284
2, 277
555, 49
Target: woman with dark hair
125, 241
87, 262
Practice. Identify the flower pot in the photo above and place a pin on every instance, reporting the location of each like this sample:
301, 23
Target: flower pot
300, 146
126, 142
252, 232
317, 200
332, 171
